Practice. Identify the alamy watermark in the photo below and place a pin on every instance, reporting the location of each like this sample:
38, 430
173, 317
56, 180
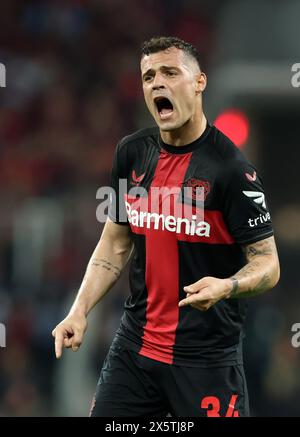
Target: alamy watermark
166, 207
296, 337
2, 335
295, 80
2, 75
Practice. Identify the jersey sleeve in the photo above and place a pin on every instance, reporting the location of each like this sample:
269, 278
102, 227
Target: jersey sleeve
245, 206
118, 184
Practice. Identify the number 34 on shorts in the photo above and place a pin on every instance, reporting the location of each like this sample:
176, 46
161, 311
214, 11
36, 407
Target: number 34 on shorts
212, 405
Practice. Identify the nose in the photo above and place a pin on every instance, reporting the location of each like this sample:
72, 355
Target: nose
157, 83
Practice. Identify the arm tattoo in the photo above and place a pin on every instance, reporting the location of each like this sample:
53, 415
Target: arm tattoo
107, 266
258, 256
263, 284
264, 247
248, 269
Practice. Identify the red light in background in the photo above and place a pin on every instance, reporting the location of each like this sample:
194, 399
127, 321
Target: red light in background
235, 124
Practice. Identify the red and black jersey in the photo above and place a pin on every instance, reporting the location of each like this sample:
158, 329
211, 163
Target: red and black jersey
215, 204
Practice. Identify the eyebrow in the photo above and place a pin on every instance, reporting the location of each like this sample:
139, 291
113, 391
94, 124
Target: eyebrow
163, 67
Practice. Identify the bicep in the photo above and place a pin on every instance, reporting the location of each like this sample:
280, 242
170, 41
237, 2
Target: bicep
119, 236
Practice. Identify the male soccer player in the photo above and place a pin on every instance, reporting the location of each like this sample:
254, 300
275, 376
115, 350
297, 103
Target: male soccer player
178, 349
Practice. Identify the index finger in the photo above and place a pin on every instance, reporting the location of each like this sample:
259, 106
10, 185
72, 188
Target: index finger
59, 339
189, 300
195, 298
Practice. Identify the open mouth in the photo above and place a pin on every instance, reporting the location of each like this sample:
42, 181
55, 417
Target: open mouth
164, 107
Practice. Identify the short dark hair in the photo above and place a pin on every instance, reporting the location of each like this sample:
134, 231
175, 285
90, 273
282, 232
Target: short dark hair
160, 43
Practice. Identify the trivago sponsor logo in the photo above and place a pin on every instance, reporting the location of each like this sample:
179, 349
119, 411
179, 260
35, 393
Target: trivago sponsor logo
257, 197
262, 218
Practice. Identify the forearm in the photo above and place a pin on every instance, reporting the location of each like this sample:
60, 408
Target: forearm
254, 278
260, 274
103, 270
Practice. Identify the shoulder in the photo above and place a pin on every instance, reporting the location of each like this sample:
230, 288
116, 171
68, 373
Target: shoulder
135, 138
234, 163
135, 149
225, 148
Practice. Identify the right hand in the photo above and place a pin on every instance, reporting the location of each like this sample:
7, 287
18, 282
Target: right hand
69, 333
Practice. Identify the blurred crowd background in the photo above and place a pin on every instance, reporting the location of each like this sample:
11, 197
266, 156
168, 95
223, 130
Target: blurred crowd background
72, 91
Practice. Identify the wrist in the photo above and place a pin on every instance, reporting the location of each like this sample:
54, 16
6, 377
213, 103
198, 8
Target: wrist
78, 310
234, 285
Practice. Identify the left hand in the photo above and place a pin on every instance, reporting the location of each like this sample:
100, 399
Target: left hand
204, 293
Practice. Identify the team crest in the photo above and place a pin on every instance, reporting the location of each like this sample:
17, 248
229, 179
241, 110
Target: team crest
200, 188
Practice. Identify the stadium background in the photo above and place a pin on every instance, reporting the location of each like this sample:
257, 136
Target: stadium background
73, 90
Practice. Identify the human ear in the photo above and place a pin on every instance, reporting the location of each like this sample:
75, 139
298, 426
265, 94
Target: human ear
201, 82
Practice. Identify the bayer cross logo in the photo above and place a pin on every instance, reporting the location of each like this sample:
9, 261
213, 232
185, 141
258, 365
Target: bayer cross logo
200, 188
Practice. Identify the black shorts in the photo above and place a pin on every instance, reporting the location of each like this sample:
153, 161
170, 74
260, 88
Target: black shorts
136, 386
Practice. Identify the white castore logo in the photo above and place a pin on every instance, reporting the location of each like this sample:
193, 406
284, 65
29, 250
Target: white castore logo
257, 196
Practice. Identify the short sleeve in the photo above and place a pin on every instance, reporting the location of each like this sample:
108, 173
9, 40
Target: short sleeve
245, 206
118, 184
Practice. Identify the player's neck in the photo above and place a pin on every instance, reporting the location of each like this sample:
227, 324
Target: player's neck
188, 133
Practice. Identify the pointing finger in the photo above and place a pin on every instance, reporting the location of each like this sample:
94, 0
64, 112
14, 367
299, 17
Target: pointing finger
58, 344
188, 301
